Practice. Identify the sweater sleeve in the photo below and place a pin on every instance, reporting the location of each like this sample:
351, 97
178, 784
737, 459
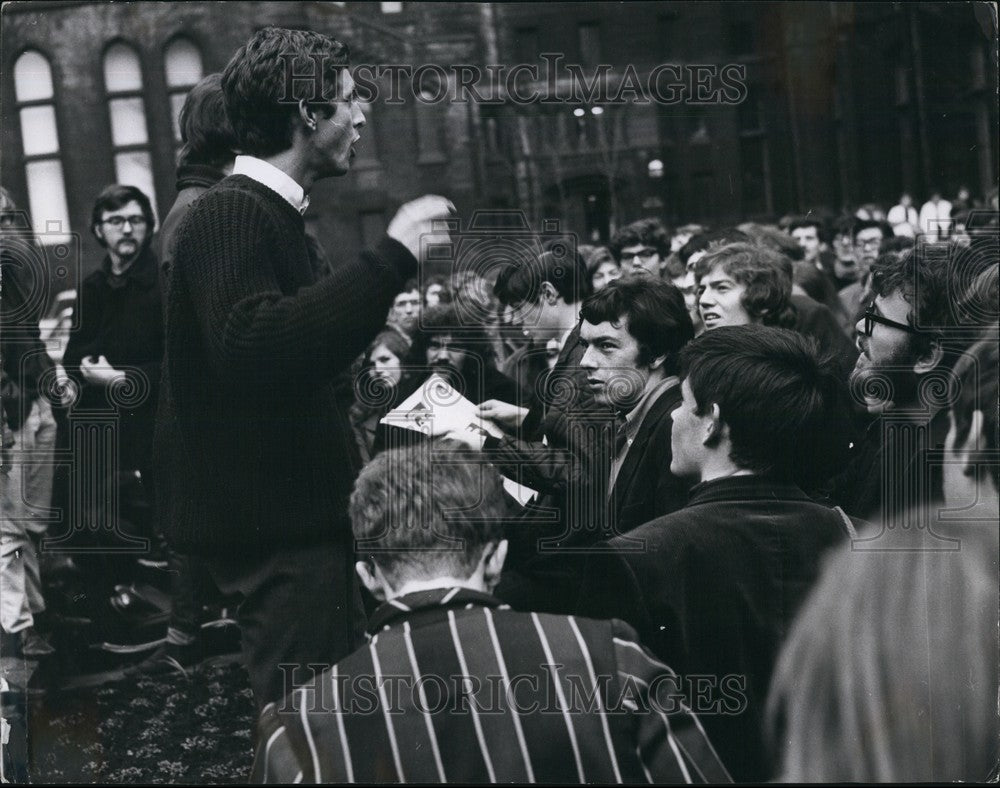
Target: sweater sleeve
249, 326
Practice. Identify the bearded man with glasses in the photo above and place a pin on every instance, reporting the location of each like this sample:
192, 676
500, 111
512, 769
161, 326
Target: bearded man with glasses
909, 337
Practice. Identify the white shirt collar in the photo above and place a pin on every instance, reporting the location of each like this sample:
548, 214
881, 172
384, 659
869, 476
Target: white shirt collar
274, 179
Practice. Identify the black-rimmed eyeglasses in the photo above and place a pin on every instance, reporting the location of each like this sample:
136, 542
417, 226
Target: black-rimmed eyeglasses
872, 317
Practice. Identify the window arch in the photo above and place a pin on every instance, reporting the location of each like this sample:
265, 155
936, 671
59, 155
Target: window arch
123, 86
35, 98
182, 61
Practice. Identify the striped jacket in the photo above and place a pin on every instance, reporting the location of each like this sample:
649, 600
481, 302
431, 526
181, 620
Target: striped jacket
456, 687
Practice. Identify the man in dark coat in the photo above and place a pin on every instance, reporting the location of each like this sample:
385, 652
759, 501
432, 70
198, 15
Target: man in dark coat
712, 588
633, 331
454, 686
254, 455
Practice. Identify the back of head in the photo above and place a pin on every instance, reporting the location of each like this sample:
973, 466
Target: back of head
559, 264
766, 275
712, 240
785, 406
890, 671
427, 511
773, 239
647, 232
116, 196
205, 128
261, 94
656, 313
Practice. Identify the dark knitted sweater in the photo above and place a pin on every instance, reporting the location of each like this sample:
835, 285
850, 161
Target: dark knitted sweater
251, 448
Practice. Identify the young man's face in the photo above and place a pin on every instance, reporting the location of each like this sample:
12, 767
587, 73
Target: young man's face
442, 352
406, 310
334, 137
867, 244
123, 230
433, 295
721, 300
687, 436
611, 360
605, 274
808, 239
888, 351
640, 260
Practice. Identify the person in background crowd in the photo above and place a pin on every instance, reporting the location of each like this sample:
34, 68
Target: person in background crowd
909, 336
813, 236
461, 353
683, 234
405, 311
633, 332
903, 218
447, 640
683, 279
114, 359
436, 291
868, 237
718, 582
254, 338
601, 266
742, 283
641, 248
26, 489
935, 217
379, 384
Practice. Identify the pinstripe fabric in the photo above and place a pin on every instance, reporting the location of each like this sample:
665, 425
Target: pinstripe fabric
455, 687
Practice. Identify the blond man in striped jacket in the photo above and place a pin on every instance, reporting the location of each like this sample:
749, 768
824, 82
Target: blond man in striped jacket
455, 686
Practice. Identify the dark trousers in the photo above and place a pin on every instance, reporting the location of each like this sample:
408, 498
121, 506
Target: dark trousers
301, 606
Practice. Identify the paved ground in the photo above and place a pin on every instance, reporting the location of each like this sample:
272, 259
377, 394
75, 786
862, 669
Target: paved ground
165, 729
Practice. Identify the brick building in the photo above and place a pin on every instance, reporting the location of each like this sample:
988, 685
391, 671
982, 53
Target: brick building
843, 103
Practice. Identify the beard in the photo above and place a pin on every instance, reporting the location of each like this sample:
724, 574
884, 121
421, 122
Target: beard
888, 382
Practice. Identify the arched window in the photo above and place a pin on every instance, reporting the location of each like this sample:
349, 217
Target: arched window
129, 135
35, 96
184, 69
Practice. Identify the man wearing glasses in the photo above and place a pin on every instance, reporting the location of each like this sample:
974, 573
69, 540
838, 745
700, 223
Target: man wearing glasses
641, 248
868, 237
908, 340
118, 348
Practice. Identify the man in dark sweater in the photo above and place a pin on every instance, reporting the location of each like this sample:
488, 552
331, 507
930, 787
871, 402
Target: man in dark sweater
713, 588
254, 456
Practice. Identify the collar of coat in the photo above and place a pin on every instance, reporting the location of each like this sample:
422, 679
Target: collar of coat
744, 488
404, 607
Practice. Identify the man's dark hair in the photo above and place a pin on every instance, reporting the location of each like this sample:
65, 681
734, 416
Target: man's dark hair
656, 313
114, 197
262, 85
559, 264
934, 280
468, 335
649, 232
784, 405
711, 240
205, 128
867, 224
766, 275
895, 243
773, 238
822, 231
427, 510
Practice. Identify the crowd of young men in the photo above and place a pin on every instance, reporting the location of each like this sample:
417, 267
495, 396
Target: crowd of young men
701, 432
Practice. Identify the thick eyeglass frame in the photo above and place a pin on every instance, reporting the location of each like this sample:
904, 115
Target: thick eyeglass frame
872, 317
119, 221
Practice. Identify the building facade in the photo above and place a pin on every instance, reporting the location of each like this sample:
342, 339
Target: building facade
825, 104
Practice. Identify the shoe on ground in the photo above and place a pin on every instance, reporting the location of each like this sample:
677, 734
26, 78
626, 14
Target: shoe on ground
34, 646
168, 658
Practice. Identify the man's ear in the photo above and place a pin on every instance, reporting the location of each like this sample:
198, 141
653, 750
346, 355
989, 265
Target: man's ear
930, 359
98, 233
657, 362
493, 561
714, 427
372, 579
307, 115
549, 293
